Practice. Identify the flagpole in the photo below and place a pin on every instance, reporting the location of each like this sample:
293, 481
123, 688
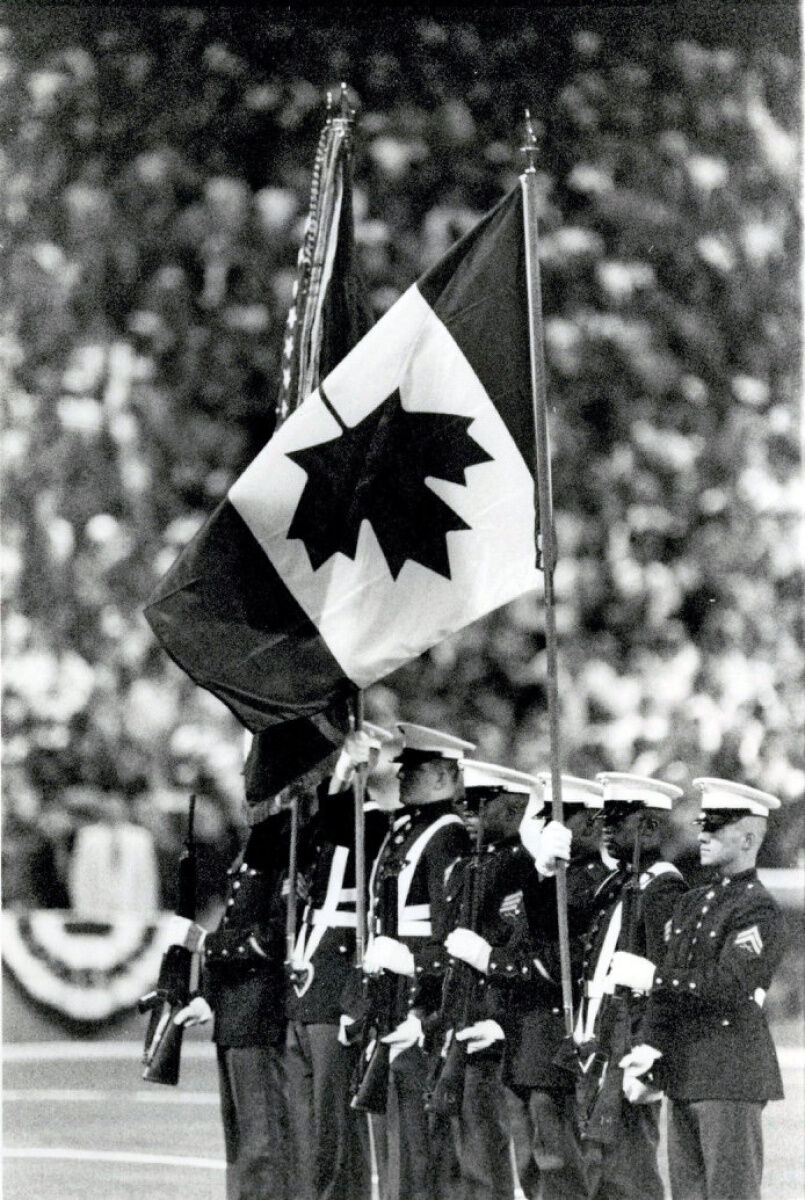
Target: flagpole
359, 793
528, 183
304, 346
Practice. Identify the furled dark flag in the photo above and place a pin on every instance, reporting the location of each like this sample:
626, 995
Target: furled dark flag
392, 508
329, 314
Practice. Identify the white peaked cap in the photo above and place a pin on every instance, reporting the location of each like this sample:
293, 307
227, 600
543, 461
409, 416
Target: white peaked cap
433, 741
574, 790
721, 793
638, 789
490, 775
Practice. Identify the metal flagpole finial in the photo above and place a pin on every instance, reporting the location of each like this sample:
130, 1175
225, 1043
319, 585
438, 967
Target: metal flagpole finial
347, 111
530, 147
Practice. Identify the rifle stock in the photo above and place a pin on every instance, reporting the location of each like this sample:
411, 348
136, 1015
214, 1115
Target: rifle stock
598, 1087
372, 1089
599, 1090
370, 1083
445, 1089
163, 1038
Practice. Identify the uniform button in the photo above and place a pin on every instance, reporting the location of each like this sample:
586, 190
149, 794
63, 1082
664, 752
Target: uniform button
509, 967
691, 984
694, 941
706, 908
709, 895
492, 966
438, 962
658, 979
677, 931
242, 867
230, 902
726, 880
725, 1022
554, 1010
342, 949
675, 982
224, 954
236, 885
253, 871
398, 839
749, 887
712, 933
525, 970
241, 949
698, 924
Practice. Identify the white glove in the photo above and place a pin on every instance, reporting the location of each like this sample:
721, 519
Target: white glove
182, 932
358, 750
631, 971
554, 844
470, 948
640, 1059
387, 954
480, 1036
532, 824
344, 1023
636, 1063
638, 1092
197, 1012
406, 1035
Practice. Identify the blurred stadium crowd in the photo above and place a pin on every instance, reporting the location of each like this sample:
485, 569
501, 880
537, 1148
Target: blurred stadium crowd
156, 187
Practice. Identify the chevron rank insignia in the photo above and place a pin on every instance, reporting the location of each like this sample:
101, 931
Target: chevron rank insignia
750, 939
667, 930
510, 905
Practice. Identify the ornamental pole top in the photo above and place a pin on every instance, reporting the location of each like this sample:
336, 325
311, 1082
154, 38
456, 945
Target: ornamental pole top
529, 149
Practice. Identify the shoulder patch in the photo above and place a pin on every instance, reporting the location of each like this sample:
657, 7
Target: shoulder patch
749, 939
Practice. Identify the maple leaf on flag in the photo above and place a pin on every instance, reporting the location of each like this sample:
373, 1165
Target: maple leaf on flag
376, 471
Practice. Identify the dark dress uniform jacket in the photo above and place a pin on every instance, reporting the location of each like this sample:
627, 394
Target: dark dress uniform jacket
498, 886
243, 978
421, 847
724, 943
327, 928
660, 887
526, 970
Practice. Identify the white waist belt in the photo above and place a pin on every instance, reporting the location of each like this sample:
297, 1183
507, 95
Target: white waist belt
414, 929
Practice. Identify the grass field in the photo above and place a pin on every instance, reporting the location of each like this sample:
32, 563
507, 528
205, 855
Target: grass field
79, 1124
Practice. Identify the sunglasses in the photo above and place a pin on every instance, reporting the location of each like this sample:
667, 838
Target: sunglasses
615, 812
711, 822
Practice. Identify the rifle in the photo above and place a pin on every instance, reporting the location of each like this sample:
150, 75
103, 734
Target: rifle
445, 1089
163, 1038
370, 1082
598, 1091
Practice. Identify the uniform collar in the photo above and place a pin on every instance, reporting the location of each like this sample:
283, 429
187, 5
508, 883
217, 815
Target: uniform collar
737, 877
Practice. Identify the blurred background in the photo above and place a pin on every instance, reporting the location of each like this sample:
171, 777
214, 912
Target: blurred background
156, 174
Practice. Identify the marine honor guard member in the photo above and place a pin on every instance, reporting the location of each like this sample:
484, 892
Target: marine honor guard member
705, 1027
486, 885
629, 914
540, 1092
243, 985
408, 925
331, 1152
